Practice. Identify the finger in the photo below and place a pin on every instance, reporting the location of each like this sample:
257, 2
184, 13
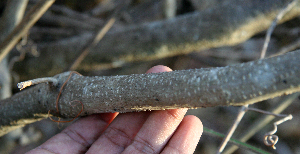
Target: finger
120, 133
159, 68
186, 137
78, 137
156, 131
123, 129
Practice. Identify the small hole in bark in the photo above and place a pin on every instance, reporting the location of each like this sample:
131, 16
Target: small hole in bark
156, 99
284, 81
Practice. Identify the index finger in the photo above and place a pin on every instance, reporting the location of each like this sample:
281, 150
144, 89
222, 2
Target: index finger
78, 137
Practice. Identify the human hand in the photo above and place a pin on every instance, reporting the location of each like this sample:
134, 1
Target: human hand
166, 131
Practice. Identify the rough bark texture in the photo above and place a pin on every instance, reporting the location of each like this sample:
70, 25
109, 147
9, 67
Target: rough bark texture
236, 85
227, 24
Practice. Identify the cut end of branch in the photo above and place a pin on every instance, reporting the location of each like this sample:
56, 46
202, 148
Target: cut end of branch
25, 84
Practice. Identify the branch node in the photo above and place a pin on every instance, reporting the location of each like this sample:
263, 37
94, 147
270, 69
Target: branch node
57, 99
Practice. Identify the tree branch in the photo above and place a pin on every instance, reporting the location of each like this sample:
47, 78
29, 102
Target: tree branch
228, 24
235, 85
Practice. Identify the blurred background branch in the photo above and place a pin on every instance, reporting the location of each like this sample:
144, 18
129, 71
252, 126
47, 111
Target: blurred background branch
222, 25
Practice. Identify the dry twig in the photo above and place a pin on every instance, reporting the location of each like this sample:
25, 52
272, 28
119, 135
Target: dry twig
96, 39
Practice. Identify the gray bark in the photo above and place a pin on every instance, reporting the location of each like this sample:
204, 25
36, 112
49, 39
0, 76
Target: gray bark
235, 85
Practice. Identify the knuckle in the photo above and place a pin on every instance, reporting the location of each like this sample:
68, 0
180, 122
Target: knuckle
118, 137
143, 146
76, 137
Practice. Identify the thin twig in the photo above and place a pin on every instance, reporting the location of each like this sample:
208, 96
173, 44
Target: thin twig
28, 83
29, 20
266, 112
239, 117
96, 40
235, 142
100, 34
273, 25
